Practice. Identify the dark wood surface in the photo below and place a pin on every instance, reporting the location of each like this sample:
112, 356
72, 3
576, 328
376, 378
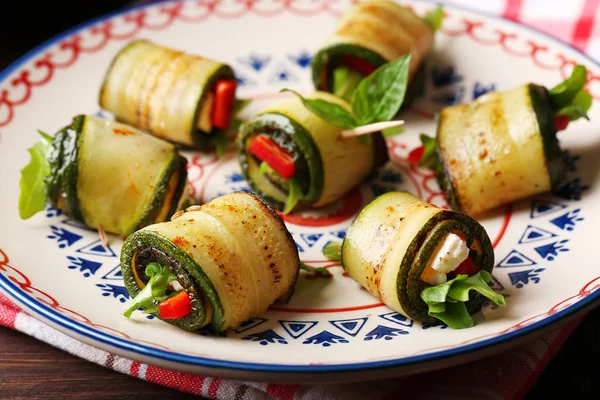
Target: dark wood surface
31, 369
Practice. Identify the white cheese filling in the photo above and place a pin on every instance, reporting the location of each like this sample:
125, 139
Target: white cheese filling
448, 255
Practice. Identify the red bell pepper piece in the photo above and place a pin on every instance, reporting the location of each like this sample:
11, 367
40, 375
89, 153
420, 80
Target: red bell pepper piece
223, 105
467, 267
358, 64
176, 307
416, 154
278, 158
561, 122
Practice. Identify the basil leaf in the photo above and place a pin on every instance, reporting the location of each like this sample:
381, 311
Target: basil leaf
333, 251
156, 287
579, 106
32, 197
379, 96
328, 112
455, 315
563, 94
435, 18
345, 81
294, 195
314, 271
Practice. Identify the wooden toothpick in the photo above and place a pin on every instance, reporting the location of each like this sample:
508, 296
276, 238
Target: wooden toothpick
366, 129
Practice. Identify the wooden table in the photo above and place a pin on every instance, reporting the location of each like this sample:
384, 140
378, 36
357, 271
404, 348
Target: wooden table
30, 369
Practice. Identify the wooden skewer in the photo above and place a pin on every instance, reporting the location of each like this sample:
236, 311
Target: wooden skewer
366, 129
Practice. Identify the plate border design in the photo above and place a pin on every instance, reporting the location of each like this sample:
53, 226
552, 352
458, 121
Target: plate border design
25, 293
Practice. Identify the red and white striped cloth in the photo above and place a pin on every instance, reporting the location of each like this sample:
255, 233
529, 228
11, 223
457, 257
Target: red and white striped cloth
509, 375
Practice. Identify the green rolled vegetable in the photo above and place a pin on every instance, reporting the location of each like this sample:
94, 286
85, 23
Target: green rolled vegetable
503, 146
105, 174
215, 265
172, 94
427, 263
368, 35
325, 166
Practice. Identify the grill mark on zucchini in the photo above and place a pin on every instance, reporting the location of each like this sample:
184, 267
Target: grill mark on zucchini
145, 97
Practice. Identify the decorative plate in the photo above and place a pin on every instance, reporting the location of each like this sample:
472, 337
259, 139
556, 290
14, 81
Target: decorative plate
58, 270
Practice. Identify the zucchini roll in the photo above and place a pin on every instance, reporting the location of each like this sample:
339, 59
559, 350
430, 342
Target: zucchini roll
214, 265
368, 35
503, 146
290, 156
180, 97
500, 148
420, 260
111, 176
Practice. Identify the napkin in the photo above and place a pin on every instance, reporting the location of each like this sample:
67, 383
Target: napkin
508, 375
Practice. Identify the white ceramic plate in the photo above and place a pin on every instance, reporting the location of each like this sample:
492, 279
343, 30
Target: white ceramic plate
332, 330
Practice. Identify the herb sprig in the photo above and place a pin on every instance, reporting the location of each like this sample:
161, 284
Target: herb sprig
377, 98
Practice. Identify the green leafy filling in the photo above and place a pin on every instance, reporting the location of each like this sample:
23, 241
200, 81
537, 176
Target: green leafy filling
570, 97
315, 271
333, 251
430, 158
32, 198
345, 81
155, 289
447, 301
435, 18
294, 187
377, 98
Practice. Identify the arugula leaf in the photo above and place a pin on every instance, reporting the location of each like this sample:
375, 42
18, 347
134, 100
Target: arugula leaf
570, 97
320, 271
32, 198
379, 96
219, 139
155, 288
579, 106
455, 315
389, 132
478, 282
563, 93
294, 195
328, 112
430, 158
435, 18
446, 302
333, 251
345, 81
